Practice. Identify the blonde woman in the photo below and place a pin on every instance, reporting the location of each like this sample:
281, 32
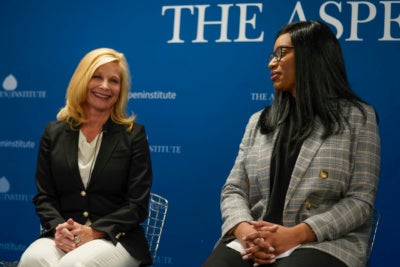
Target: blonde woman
93, 173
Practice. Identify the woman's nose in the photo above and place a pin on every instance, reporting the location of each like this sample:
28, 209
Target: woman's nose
272, 63
104, 84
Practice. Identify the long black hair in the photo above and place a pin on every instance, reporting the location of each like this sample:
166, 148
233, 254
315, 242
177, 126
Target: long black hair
322, 87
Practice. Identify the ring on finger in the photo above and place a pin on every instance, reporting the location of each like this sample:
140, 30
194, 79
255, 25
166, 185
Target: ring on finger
76, 239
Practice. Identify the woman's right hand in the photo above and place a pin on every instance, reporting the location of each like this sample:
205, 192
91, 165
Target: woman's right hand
63, 237
253, 250
244, 229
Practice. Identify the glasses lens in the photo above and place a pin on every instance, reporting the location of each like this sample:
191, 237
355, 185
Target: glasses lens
271, 57
278, 53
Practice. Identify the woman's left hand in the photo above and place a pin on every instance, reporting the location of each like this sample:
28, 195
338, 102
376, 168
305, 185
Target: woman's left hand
83, 234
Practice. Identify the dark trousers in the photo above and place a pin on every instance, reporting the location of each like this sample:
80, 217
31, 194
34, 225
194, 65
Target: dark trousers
223, 256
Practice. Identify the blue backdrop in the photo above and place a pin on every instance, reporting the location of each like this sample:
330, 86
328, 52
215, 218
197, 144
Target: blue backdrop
199, 71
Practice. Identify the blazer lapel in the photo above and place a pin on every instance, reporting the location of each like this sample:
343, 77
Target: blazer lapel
264, 157
108, 143
306, 155
71, 152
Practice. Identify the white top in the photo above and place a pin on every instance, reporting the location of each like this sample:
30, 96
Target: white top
87, 154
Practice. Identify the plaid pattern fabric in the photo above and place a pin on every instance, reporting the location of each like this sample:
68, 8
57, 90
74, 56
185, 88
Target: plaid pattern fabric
332, 188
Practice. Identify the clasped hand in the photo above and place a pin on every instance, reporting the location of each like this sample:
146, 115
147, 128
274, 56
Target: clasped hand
70, 234
267, 241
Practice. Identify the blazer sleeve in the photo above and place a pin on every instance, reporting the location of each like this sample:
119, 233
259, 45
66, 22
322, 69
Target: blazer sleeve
235, 207
46, 200
356, 206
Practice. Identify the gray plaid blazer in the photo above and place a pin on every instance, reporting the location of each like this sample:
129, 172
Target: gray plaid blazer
332, 188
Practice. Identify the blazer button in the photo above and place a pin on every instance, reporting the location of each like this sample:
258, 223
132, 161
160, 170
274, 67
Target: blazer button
323, 174
308, 205
119, 235
85, 214
83, 193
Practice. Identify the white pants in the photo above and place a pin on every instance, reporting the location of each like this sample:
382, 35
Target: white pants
97, 253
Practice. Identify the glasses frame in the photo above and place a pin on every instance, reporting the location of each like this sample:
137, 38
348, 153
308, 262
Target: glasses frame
277, 54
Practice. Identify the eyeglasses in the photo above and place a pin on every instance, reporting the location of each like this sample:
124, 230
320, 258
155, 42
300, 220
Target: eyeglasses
279, 53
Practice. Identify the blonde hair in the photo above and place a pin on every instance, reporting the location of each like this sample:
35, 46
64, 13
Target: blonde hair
76, 94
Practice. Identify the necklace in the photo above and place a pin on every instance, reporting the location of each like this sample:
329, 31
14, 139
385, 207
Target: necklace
100, 136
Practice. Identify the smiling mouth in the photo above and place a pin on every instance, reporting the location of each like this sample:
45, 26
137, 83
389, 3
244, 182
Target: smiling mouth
101, 95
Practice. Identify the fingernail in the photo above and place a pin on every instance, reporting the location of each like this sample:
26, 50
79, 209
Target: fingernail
271, 249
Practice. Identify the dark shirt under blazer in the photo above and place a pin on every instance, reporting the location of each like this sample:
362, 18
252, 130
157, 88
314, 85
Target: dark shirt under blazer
332, 187
116, 198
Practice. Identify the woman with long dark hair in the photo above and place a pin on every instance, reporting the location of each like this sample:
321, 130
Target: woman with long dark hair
303, 186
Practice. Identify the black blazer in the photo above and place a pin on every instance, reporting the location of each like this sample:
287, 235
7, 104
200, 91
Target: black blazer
116, 198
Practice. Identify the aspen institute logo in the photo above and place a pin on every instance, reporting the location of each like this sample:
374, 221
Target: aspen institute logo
10, 85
